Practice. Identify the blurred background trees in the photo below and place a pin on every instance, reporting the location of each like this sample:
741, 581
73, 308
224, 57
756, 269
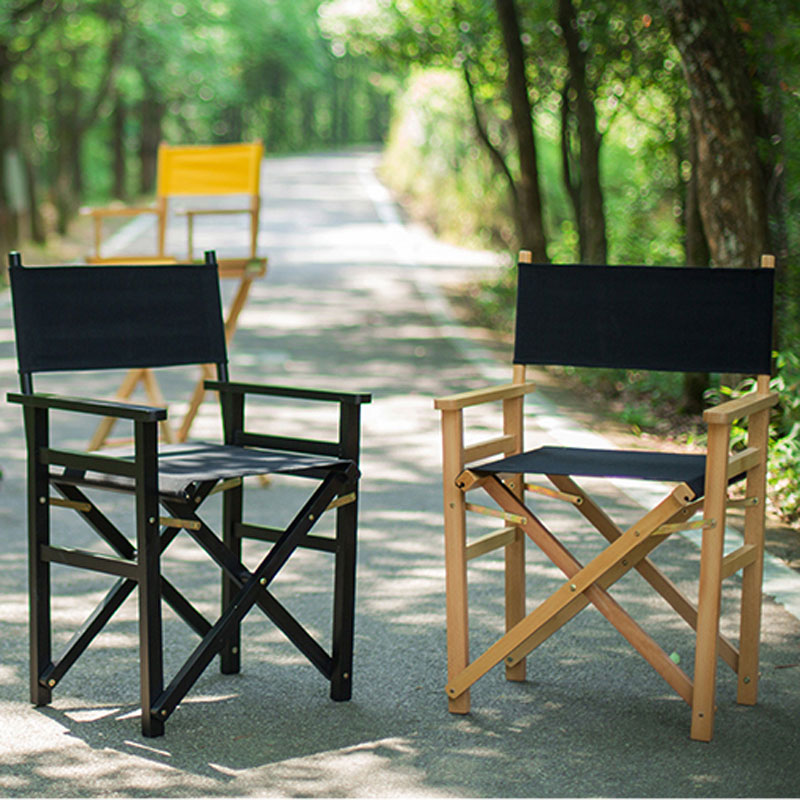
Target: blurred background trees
643, 131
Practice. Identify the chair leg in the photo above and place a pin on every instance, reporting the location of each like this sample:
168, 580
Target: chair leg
515, 596
752, 575
455, 557
148, 540
344, 594
710, 586
37, 433
231, 653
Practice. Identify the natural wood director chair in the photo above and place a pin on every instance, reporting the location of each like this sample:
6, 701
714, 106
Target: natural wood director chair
68, 319
189, 174
654, 318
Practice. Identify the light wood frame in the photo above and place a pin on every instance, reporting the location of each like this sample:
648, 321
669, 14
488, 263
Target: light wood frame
626, 550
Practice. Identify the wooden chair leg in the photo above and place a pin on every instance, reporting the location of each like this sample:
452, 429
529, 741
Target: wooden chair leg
710, 586
455, 544
752, 575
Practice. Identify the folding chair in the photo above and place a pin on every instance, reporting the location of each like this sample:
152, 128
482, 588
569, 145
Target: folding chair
653, 318
226, 180
68, 318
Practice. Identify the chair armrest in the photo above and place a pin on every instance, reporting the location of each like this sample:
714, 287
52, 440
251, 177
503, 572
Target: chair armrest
119, 211
725, 413
348, 398
506, 391
81, 405
196, 212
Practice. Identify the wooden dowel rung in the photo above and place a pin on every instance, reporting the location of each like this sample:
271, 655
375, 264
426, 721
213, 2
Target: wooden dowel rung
75, 505
575, 499
344, 500
516, 519
175, 522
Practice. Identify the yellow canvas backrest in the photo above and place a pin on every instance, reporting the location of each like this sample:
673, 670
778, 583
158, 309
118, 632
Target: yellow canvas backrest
209, 169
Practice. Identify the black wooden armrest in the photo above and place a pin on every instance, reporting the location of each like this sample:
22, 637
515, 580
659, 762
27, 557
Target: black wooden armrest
103, 408
349, 398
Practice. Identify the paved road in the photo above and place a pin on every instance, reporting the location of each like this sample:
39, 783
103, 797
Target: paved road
351, 301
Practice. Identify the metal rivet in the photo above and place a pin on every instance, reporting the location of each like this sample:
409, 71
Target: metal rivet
346, 675
151, 520
746, 679
573, 587
163, 712
42, 500
51, 682
311, 517
263, 581
636, 533
234, 650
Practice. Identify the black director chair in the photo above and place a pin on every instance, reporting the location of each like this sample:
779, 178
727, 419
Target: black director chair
104, 317
655, 318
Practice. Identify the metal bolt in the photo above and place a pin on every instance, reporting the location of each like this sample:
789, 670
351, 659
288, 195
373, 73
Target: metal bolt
346, 675
43, 500
573, 587
234, 650
51, 683
746, 679
263, 581
163, 712
151, 520
311, 517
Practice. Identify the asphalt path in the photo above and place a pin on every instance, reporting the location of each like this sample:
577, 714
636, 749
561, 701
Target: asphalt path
353, 301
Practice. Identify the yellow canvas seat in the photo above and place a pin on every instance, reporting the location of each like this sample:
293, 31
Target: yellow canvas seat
195, 182
653, 318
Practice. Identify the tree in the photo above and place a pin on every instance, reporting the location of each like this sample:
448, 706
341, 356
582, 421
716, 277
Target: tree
724, 111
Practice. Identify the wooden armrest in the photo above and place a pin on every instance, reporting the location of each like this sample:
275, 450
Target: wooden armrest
191, 212
120, 211
505, 391
725, 413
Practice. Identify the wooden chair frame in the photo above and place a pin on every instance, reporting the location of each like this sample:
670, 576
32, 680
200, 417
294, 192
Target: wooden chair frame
627, 549
183, 172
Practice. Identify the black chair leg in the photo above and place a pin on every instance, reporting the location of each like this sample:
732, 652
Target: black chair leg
37, 432
148, 539
344, 602
230, 655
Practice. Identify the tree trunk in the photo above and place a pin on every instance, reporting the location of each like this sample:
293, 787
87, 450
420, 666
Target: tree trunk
724, 112
530, 223
585, 186
697, 255
151, 114
119, 182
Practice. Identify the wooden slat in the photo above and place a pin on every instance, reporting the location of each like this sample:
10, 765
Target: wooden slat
491, 541
488, 448
743, 461
738, 559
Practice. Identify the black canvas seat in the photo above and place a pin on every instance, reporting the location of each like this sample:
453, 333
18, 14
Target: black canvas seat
634, 318
142, 317
688, 468
184, 468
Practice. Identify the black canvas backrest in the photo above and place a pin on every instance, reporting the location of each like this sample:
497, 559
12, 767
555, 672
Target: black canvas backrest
108, 317
685, 319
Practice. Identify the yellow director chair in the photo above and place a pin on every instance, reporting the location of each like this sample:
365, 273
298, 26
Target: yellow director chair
190, 174
681, 319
